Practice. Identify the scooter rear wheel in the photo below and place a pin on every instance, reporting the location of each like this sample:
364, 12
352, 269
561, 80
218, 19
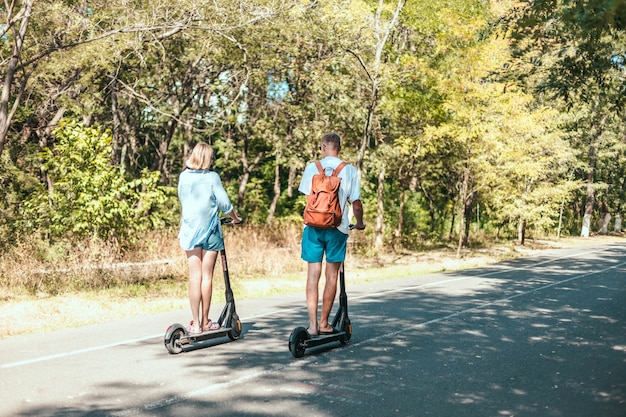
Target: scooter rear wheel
173, 344
296, 342
347, 328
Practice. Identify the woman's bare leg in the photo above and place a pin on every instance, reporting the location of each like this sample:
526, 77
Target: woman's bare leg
208, 265
194, 261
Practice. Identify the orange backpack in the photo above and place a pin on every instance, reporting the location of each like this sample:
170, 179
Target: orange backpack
323, 208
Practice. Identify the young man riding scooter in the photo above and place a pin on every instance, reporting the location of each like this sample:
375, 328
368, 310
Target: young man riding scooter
331, 242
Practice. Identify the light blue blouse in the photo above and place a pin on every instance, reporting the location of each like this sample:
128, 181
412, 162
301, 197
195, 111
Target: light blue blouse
202, 197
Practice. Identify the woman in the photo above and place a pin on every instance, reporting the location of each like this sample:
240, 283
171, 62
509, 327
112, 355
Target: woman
202, 197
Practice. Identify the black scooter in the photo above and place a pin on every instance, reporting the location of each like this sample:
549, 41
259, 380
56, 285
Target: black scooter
176, 335
300, 339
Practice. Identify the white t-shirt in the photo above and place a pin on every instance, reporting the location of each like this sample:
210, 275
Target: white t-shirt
349, 191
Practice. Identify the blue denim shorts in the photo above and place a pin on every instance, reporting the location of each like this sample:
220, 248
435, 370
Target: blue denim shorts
215, 241
316, 242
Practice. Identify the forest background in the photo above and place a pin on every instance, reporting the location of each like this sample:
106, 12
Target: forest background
471, 122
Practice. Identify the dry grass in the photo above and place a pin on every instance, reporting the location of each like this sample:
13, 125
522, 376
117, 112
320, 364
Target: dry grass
46, 288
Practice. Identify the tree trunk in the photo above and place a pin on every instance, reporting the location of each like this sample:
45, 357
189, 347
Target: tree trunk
245, 177
380, 224
368, 126
606, 219
117, 143
382, 33
521, 231
588, 211
431, 214
468, 214
593, 151
558, 232
398, 232
164, 143
274, 203
453, 219
188, 142
431, 208
291, 181
463, 198
618, 223
6, 115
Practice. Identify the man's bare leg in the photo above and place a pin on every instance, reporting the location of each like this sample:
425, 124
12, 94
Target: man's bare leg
330, 290
314, 273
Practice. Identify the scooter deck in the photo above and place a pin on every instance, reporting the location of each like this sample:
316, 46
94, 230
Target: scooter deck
189, 338
322, 339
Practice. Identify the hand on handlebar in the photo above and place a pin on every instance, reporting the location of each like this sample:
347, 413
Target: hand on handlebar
231, 221
357, 226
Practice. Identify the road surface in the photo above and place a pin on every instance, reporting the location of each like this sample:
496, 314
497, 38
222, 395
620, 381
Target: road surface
539, 336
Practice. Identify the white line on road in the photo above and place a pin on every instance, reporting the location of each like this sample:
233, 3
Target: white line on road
76, 352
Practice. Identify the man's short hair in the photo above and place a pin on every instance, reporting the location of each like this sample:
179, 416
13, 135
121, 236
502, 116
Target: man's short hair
332, 138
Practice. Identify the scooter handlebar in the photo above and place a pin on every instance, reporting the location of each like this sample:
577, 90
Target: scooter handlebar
229, 220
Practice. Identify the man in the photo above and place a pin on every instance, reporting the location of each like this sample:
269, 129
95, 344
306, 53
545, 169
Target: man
318, 241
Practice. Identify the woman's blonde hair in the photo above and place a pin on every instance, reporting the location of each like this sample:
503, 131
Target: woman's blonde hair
201, 157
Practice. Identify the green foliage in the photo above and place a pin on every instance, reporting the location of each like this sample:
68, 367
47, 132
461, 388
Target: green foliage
262, 83
89, 196
570, 49
15, 187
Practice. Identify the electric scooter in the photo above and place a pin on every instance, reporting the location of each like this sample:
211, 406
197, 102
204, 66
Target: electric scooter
177, 337
300, 339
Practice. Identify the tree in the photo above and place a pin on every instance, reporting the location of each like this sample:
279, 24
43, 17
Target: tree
532, 165
16, 24
574, 50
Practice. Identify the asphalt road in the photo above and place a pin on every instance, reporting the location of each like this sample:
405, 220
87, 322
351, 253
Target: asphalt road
542, 336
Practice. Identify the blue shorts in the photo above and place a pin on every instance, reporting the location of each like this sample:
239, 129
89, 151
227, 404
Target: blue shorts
316, 241
215, 241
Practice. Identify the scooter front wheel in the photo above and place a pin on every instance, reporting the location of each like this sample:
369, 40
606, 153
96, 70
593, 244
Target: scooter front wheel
173, 343
235, 330
296, 341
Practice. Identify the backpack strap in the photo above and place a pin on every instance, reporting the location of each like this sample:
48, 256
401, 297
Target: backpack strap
336, 172
339, 168
320, 168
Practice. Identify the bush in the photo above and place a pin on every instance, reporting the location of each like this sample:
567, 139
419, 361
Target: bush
89, 196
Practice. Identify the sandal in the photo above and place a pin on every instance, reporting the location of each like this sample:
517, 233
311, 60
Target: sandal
191, 329
211, 325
